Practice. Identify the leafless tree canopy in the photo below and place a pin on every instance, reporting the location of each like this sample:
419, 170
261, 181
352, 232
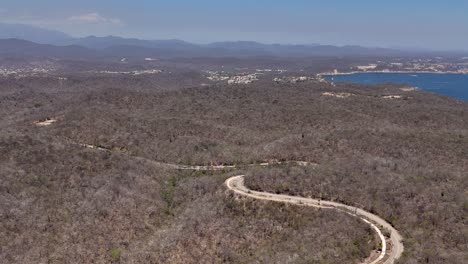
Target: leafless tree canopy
403, 158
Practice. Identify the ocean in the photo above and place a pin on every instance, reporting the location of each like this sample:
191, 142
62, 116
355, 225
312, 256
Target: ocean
451, 85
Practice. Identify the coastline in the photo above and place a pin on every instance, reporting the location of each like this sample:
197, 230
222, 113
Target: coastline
453, 85
389, 72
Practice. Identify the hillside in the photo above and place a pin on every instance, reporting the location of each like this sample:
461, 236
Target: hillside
399, 154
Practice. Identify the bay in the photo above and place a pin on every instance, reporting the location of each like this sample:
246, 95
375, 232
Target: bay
451, 85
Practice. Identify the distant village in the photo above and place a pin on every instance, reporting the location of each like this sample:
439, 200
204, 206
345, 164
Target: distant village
435, 65
246, 78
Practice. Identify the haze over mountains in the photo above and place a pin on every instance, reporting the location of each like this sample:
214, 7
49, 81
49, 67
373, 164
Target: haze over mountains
18, 39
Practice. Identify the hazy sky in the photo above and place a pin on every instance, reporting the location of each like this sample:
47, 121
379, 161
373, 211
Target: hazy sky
435, 24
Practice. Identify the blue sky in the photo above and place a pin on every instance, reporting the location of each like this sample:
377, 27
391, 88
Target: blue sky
433, 24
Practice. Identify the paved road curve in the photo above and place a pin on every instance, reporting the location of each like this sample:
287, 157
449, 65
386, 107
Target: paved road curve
387, 256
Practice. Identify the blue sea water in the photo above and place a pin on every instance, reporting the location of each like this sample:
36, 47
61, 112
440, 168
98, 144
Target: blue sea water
452, 85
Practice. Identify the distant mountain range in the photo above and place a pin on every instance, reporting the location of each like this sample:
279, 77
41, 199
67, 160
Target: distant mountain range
19, 47
16, 39
33, 34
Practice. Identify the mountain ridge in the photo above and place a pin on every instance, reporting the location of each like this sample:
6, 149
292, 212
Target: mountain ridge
60, 44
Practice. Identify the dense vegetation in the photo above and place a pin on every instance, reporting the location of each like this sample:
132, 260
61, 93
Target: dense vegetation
404, 159
65, 204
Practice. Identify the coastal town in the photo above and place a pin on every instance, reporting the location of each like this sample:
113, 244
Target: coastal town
232, 78
430, 65
247, 75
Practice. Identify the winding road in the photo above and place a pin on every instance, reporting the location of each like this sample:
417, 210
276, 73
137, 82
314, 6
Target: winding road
391, 248
387, 255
